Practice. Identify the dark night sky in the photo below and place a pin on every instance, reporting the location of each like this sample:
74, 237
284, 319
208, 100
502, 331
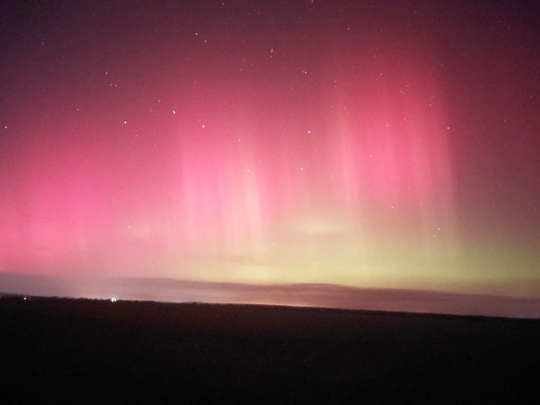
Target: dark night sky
389, 144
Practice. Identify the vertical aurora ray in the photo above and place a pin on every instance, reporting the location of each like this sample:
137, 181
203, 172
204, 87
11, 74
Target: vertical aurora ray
364, 197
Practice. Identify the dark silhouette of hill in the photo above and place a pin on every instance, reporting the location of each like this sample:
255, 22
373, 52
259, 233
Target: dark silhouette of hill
83, 350
303, 295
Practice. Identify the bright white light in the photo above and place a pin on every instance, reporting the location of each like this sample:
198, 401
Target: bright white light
113, 299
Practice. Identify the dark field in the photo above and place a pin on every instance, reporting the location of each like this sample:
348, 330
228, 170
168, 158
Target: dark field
129, 352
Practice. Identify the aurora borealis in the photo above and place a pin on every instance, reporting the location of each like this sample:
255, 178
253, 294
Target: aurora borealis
382, 144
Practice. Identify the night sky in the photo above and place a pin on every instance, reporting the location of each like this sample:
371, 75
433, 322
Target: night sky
386, 144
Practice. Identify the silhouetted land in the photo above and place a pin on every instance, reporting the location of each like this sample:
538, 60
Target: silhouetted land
146, 352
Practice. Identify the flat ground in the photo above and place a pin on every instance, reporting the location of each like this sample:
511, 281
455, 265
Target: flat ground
146, 352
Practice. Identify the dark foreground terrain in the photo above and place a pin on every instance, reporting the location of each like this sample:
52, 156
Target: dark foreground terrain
145, 352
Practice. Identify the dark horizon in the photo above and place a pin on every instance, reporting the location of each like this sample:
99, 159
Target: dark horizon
297, 295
